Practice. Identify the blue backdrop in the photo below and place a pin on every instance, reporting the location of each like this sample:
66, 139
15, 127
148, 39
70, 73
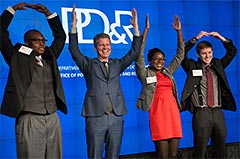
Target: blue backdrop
112, 16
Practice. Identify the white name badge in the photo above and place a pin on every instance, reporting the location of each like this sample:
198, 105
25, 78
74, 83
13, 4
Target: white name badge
197, 73
25, 50
151, 79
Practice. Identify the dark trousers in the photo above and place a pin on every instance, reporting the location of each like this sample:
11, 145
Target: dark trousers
108, 130
209, 123
38, 136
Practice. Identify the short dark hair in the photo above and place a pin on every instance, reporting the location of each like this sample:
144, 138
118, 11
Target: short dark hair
100, 35
28, 34
202, 45
152, 52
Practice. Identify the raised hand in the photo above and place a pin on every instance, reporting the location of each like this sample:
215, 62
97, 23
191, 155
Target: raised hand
147, 24
177, 23
40, 8
147, 27
134, 22
201, 34
74, 17
217, 35
20, 6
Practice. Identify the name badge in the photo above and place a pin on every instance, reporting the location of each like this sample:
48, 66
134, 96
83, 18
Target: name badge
25, 50
151, 79
197, 73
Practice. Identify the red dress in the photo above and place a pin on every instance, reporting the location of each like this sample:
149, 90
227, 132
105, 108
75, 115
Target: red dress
164, 116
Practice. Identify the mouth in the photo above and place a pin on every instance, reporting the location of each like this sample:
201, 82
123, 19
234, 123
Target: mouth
41, 48
105, 51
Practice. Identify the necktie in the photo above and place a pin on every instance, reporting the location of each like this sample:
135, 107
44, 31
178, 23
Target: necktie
109, 109
39, 60
107, 69
210, 92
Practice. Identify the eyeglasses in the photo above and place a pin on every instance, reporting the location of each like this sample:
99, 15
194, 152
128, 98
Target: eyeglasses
37, 40
159, 59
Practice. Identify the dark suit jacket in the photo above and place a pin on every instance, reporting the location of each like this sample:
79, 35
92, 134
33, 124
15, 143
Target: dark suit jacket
218, 65
98, 87
22, 66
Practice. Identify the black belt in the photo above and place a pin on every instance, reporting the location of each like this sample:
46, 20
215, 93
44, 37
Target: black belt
207, 108
41, 114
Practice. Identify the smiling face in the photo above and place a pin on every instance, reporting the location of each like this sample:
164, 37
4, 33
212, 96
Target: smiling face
205, 55
157, 61
102, 45
36, 41
103, 48
205, 52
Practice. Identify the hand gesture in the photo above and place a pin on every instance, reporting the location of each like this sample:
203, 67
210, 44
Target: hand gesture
134, 20
147, 27
20, 6
74, 17
177, 23
40, 8
147, 24
217, 35
201, 34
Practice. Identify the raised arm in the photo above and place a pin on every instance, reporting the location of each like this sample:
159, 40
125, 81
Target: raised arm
176, 61
140, 62
231, 50
7, 48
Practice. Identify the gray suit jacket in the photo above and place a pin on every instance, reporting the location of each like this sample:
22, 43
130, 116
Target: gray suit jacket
145, 98
98, 87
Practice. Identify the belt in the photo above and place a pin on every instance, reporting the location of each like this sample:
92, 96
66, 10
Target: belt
40, 114
207, 108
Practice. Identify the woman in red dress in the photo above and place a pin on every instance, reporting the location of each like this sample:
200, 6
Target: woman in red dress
159, 94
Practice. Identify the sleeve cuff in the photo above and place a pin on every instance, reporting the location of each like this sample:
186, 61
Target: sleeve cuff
73, 30
52, 15
11, 10
136, 33
227, 40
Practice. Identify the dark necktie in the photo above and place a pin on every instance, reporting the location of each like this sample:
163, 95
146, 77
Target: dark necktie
210, 92
109, 109
106, 68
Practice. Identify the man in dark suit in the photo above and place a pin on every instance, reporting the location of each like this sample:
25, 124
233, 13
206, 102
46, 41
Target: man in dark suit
34, 88
104, 104
207, 92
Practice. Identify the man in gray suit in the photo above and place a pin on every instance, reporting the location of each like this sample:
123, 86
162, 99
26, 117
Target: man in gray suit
104, 104
34, 89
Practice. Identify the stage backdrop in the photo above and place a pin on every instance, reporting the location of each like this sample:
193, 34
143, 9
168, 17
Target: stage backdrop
112, 17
